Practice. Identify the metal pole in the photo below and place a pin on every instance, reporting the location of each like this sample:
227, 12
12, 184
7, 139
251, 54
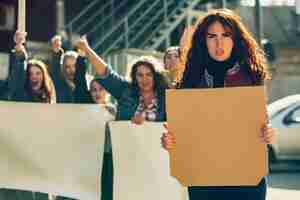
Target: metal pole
167, 42
60, 16
112, 11
224, 4
126, 33
22, 15
258, 21
165, 11
297, 9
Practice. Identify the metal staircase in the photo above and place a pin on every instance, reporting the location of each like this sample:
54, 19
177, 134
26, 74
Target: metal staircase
131, 24
162, 32
98, 17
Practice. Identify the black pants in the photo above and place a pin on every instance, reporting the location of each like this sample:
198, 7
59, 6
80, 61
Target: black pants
11, 194
229, 193
63, 198
107, 177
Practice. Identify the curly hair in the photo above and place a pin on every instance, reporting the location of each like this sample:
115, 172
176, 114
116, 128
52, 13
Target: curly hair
160, 82
245, 49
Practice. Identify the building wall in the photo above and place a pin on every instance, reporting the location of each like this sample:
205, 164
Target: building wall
286, 74
279, 23
8, 8
40, 21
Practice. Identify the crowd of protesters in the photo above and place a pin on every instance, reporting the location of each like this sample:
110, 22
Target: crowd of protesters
218, 48
63, 80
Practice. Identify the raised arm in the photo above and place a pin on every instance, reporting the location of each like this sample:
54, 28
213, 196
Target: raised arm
16, 79
99, 64
114, 83
55, 59
81, 92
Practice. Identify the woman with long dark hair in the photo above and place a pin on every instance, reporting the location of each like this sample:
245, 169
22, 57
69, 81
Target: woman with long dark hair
38, 84
222, 53
31, 85
142, 98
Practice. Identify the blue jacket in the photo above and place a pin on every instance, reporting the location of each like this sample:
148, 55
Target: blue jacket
128, 96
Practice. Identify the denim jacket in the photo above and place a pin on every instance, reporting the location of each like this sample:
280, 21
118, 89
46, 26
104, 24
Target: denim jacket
128, 96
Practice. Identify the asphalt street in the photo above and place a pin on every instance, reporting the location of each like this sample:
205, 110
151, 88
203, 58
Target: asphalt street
284, 181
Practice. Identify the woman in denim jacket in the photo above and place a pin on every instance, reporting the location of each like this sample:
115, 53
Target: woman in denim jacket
142, 99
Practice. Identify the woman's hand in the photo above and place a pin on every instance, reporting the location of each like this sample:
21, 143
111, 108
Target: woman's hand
138, 119
97, 62
268, 134
20, 39
168, 140
83, 45
56, 43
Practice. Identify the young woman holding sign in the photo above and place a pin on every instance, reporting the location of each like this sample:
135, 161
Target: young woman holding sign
222, 53
31, 83
28, 81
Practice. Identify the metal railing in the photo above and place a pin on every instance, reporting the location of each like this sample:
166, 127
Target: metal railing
138, 26
138, 33
162, 13
107, 17
131, 27
181, 15
91, 18
69, 25
131, 13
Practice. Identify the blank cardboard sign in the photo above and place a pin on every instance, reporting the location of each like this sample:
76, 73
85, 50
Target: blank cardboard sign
217, 136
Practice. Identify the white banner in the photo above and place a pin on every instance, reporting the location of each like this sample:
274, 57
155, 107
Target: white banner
141, 165
56, 149
4, 66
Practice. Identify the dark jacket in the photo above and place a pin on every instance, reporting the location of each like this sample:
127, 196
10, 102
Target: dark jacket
234, 77
17, 75
64, 94
16, 82
128, 96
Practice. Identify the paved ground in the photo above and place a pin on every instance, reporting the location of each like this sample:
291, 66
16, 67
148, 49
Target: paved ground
284, 181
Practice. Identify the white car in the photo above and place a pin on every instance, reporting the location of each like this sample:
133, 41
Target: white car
284, 115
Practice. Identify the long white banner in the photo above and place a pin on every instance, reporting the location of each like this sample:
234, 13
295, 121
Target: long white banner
55, 149
141, 165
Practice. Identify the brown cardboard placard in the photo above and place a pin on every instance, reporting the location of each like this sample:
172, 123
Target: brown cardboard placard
22, 15
217, 136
